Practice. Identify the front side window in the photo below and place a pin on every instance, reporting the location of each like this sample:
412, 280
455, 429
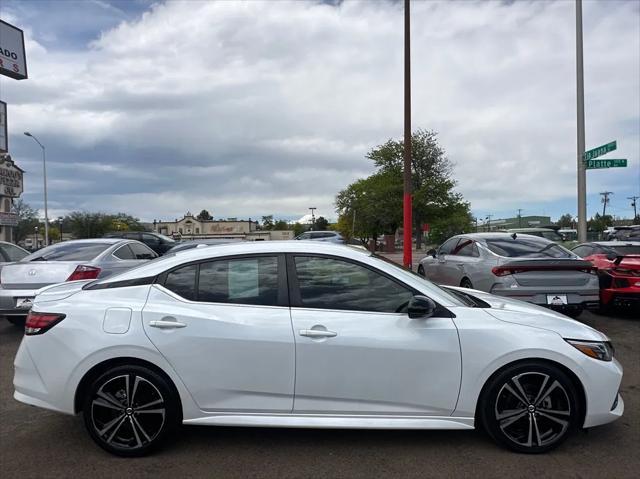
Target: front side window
448, 246
466, 247
240, 281
328, 283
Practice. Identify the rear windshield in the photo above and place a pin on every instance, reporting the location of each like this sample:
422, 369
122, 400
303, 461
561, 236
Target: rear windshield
69, 252
626, 249
527, 247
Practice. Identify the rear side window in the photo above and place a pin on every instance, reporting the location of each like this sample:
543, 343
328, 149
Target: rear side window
466, 247
124, 252
527, 247
69, 252
13, 253
141, 251
240, 281
182, 281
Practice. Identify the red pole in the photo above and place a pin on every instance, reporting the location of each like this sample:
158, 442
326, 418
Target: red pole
407, 220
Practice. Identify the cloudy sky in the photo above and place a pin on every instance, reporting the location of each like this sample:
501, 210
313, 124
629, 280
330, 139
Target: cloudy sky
255, 108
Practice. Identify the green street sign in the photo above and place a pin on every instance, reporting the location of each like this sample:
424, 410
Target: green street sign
596, 164
599, 151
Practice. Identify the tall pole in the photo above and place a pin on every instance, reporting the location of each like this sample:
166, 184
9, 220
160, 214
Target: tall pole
582, 172
634, 200
313, 218
44, 172
408, 221
605, 201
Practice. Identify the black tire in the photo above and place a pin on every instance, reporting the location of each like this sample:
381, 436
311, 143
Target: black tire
549, 415
118, 422
421, 271
466, 283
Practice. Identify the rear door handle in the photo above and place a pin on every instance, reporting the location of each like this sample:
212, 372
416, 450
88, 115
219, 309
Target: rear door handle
164, 324
317, 333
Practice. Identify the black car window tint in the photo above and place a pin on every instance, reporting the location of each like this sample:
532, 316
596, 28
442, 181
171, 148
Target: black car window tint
335, 284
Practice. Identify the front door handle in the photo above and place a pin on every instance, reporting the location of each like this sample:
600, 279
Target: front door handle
166, 324
317, 333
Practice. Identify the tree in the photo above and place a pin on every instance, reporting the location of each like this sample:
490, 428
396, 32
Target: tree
322, 224
204, 216
377, 200
267, 222
280, 225
599, 222
84, 224
565, 221
298, 229
27, 220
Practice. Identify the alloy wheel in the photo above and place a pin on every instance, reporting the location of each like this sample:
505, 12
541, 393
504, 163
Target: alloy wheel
533, 409
127, 412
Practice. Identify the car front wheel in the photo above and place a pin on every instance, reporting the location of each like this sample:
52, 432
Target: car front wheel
530, 407
130, 410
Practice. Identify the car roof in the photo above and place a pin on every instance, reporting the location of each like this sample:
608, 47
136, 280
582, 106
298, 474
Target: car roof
493, 235
615, 243
524, 230
160, 265
95, 240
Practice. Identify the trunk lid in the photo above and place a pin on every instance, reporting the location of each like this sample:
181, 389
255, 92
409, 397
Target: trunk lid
61, 291
547, 272
36, 274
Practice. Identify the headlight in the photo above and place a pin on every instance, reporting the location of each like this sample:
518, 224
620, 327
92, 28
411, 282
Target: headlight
602, 350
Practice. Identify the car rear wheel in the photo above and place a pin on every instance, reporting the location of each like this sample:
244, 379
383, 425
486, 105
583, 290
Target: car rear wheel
130, 410
466, 283
530, 407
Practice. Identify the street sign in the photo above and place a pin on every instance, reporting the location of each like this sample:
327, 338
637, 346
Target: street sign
13, 61
599, 151
596, 164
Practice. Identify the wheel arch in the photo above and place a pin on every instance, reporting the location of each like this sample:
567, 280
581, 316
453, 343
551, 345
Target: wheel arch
582, 398
104, 366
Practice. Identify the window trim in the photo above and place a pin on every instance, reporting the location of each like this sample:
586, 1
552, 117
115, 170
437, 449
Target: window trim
283, 292
294, 287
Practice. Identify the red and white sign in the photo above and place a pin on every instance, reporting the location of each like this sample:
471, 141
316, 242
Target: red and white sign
13, 60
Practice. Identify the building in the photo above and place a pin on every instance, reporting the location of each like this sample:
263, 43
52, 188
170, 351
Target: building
516, 222
189, 227
11, 186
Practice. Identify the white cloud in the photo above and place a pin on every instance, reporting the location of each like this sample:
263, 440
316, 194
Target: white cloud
253, 108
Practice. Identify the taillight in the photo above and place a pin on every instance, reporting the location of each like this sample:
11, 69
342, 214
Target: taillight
84, 272
507, 270
500, 271
38, 323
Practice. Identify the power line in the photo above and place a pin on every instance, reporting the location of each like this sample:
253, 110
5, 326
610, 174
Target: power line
605, 200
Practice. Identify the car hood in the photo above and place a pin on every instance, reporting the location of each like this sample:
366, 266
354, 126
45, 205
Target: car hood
527, 314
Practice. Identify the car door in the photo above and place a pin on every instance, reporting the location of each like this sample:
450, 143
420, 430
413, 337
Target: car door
357, 351
438, 270
463, 262
224, 325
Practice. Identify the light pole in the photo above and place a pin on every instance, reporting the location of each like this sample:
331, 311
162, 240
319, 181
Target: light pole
313, 217
60, 219
407, 220
44, 171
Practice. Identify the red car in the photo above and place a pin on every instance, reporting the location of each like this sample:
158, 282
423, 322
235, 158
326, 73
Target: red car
618, 264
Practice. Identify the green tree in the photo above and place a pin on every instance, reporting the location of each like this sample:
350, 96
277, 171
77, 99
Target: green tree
280, 225
267, 222
27, 220
298, 229
322, 224
599, 222
565, 221
204, 216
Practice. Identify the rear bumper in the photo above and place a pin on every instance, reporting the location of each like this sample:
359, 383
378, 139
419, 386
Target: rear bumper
8, 298
575, 300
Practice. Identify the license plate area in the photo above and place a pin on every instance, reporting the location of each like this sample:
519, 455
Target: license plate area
24, 303
557, 299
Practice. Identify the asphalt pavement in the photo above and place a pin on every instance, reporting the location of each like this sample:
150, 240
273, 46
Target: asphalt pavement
39, 443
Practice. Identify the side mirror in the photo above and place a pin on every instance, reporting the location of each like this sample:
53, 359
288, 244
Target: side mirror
432, 252
421, 307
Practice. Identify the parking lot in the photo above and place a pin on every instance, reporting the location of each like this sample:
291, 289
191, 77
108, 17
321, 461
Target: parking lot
38, 443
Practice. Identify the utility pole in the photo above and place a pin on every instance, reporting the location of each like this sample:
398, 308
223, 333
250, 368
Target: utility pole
488, 219
519, 217
605, 200
313, 218
407, 224
634, 200
582, 172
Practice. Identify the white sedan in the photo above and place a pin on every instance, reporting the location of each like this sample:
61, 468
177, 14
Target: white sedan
300, 334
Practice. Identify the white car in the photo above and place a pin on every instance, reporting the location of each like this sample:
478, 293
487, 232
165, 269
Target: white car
295, 334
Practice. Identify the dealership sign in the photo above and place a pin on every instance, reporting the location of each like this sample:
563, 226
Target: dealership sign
10, 178
4, 136
13, 60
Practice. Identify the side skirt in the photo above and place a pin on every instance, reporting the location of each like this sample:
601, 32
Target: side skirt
334, 422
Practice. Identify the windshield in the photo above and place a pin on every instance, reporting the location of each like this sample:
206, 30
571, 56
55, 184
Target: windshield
527, 247
453, 298
166, 239
551, 235
69, 252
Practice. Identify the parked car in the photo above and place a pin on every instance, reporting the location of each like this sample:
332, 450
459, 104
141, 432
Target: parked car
328, 236
518, 266
10, 253
627, 233
295, 334
67, 261
618, 264
157, 242
199, 243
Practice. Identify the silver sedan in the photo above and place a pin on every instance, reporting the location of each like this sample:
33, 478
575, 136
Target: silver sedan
67, 261
517, 266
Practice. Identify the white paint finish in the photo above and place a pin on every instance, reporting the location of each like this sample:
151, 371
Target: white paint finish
336, 421
116, 320
378, 363
231, 357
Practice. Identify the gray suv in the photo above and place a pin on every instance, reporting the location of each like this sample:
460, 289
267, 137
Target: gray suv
330, 236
